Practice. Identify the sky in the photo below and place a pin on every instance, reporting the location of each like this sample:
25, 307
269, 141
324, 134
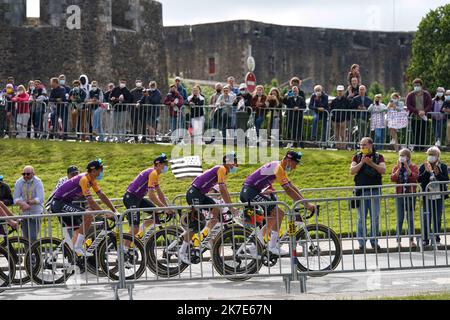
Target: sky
383, 15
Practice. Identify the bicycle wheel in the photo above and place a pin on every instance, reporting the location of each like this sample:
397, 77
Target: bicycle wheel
236, 251
7, 269
56, 261
162, 253
134, 259
18, 247
318, 249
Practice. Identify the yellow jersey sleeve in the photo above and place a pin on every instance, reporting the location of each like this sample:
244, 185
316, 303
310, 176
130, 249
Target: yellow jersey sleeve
86, 184
281, 176
153, 180
221, 175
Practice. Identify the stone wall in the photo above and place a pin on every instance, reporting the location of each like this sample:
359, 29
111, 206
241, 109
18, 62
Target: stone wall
321, 56
118, 38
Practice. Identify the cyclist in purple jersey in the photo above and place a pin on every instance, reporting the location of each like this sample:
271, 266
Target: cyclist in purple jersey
197, 195
261, 179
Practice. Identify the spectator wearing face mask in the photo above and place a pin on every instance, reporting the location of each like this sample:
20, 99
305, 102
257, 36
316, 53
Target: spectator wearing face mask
95, 101
319, 105
38, 94
63, 83
259, 108
377, 121
352, 89
361, 103
295, 82
196, 102
77, 97
175, 101
59, 107
419, 103
7, 108
340, 117
396, 117
22, 100
433, 170
137, 113
446, 110
275, 105
405, 172
295, 107
243, 99
438, 118
120, 96
151, 102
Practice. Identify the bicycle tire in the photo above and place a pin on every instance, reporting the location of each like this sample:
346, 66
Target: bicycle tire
157, 265
252, 266
21, 269
39, 246
6, 261
111, 268
331, 237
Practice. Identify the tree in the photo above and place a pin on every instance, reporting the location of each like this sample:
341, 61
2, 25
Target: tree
431, 50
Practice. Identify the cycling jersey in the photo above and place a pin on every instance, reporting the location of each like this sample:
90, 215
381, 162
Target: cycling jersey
76, 187
215, 175
266, 175
145, 181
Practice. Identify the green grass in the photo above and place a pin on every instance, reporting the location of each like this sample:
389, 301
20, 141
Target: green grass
319, 169
440, 296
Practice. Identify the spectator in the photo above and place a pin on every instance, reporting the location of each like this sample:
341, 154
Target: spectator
214, 116
10, 80
8, 106
318, 103
258, 107
29, 196
120, 96
59, 108
137, 112
6, 200
438, 118
225, 105
108, 92
175, 101
368, 166
419, 103
95, 102
340, 116
62, 83
77, 97
396, 117
433, 170
152, 100
23, 111
353, 89
275, 104
354, 73
196, 102
243, 98
377, 121
84, 85
446, 111
38, 95
361, 102
231, 81
181, 89
405, 172
295, 106
295, 82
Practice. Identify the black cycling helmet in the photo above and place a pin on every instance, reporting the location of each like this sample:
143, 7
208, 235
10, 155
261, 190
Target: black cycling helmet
161, 159
72, 169
96, 164
293, 155
230, 158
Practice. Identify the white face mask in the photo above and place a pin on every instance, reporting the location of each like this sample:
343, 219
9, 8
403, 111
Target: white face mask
447, 98
432, 159
440, 94
417, 88
395, 101
139, 84
403, 159
122, 85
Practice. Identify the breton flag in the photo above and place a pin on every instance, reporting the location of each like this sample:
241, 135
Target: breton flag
187, 167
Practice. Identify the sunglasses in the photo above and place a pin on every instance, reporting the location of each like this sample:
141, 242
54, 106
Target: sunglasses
26, 174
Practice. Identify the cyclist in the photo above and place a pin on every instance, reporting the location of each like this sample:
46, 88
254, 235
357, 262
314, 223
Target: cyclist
80, 185
252, 191
196, 195
147, 182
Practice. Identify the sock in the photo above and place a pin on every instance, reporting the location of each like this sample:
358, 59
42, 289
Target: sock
80, 241
261, 236
125, 248
184, 247
273, 239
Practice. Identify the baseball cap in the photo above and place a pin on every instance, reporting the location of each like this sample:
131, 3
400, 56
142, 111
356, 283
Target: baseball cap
340, 88
230, 158
72, 169
177, 78
242, 86
296, 156
96, 164
161, 159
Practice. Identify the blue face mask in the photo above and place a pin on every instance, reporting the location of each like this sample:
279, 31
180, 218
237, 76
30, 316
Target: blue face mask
62, 82
100, 177
233, 170
165, 169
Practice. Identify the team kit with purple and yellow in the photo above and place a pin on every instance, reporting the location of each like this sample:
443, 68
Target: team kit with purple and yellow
257, 187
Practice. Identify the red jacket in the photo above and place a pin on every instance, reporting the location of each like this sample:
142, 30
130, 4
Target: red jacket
413, 178
259, 110
171, 98
23, 105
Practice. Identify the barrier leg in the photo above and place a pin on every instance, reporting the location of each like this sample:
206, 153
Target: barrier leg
130, 291
287, 283
302, 280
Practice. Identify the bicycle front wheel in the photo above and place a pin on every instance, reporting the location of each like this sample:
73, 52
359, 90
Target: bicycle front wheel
237, 251
7, 269
318, 250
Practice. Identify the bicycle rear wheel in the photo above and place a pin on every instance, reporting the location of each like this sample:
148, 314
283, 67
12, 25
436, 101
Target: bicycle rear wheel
7, 269
18, 247
55, 264
162, 253
318, 249
237, 251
